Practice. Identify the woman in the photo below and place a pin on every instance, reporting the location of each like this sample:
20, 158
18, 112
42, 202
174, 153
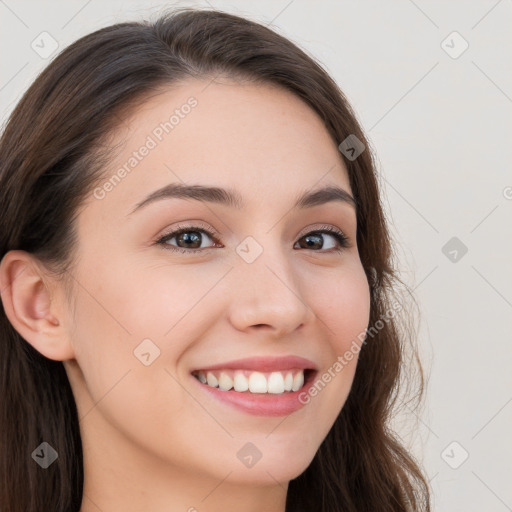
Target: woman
196, 283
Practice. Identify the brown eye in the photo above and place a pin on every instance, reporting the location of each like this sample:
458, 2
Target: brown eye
191, 239
187, 239
316, 241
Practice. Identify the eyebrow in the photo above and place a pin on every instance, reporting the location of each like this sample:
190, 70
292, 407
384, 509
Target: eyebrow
232, 198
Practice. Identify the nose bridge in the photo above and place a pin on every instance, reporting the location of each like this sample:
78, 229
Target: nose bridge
268, 288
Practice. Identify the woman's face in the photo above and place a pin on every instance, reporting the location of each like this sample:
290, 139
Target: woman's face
146, 314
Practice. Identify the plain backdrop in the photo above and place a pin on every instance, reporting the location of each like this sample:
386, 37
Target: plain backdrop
431, 83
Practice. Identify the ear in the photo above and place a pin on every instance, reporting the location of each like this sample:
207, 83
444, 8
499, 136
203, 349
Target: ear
26, 292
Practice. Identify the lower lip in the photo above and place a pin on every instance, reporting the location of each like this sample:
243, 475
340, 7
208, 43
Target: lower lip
263, 404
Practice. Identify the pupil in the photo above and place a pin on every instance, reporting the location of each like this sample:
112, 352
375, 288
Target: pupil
194, 238
311, 240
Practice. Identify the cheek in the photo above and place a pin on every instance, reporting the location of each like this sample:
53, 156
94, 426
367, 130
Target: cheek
343, 304
127, 316
120, 326
125, 305
343, 308
161, 300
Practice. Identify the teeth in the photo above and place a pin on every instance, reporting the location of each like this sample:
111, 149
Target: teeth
288, 381
241, 382
298, 381
276, 383
212, 380
225, 382
256, 382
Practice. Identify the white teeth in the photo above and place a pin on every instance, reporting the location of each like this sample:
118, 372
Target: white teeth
288, 381
298, 381
225, 382
240, 382
276, 383
212, 380
257, 383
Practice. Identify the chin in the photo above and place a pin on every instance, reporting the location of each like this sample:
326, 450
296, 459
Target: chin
280, 467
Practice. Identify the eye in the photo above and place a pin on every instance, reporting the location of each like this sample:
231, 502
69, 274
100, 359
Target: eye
315, 239
189, 239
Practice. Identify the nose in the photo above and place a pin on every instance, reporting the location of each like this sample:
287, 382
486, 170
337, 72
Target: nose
267, 295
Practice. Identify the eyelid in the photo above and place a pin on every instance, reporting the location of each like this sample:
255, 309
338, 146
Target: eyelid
323, 227
189, 226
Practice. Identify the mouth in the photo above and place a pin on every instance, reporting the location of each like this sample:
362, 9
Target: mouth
244, 381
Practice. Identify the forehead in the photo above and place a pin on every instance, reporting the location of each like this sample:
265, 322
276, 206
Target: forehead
259, 139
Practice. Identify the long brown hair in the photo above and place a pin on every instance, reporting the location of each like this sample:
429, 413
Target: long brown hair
52, 153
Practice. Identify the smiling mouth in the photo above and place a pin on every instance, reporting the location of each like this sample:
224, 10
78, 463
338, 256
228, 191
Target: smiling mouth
254, 382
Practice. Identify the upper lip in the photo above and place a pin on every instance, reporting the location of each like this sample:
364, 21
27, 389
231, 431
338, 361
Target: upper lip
264, 364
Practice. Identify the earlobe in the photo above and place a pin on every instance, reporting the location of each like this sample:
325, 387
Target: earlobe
27, 301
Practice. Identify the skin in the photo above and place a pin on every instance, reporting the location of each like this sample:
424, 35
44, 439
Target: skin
152, 438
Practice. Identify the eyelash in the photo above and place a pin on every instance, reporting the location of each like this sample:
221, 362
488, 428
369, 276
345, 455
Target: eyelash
342, 239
